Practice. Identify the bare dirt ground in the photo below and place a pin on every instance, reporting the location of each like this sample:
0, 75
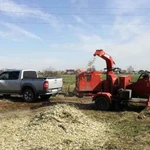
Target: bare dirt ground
16, 103
70, 123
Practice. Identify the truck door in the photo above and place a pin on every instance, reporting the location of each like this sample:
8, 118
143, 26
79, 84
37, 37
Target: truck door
9, 82
3, 79
13, 82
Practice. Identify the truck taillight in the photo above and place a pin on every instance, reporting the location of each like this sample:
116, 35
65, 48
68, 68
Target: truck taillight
45, 85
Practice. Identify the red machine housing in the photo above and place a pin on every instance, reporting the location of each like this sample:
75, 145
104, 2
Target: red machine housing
140, 88
124, 81
89, 81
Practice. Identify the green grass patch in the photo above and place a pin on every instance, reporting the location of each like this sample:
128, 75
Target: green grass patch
71, 79
128, 131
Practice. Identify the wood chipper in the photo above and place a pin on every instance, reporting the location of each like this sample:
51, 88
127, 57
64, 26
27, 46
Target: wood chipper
114, 90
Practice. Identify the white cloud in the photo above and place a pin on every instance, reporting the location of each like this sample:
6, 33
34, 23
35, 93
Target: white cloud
79, 3
11, 8
84, 43
78, 19
126, 41
15, 31
126, 27
130, 37
127, 5
4, 34
134, 52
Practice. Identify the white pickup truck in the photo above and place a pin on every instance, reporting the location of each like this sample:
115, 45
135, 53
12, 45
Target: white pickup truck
27, 84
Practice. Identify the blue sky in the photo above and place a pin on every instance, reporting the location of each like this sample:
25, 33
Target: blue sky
64, 34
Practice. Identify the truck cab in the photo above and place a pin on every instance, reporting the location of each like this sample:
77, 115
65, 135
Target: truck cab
10, 79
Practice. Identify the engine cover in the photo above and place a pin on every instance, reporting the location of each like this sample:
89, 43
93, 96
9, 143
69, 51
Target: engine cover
124, 94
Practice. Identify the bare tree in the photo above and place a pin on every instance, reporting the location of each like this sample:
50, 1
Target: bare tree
49, 72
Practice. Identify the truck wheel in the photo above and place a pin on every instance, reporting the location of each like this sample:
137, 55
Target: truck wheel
28, 95
45, 97
102, 103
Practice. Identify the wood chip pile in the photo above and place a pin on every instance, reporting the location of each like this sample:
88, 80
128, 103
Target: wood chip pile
58, 127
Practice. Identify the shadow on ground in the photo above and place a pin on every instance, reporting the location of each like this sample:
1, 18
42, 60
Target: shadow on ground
11, 98
87, 106
17, 99
80, 103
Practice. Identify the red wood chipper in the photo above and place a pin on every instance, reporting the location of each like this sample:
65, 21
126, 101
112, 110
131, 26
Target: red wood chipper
114, 90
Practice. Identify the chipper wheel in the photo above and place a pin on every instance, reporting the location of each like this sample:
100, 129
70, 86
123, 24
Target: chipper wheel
102, 103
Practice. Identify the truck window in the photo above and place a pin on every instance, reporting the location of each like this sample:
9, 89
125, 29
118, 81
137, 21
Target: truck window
29, 75
14, 75
4, 76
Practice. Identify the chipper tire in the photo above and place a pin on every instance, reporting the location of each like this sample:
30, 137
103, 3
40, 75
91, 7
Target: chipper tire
102, 103
28, 95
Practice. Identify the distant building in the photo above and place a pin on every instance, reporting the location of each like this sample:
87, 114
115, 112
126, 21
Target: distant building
70, 71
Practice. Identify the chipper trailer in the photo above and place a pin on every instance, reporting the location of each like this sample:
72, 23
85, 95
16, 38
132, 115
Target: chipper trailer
114, 90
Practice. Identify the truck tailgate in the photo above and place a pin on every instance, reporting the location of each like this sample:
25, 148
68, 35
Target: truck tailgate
55, 83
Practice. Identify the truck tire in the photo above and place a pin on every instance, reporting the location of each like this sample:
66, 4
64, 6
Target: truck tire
102, 103
28, 95
45, 97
